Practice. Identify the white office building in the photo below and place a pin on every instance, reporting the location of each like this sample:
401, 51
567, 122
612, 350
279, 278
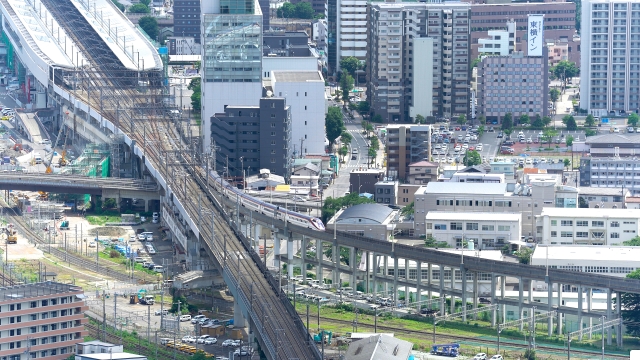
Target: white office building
587, 226
304, 92
610, 56
351, 26
611, 260
499, 42
483, 230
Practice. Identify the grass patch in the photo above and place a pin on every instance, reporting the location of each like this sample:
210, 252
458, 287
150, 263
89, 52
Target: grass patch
121, 260
101, 220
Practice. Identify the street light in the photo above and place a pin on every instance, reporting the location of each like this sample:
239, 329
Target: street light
242, 170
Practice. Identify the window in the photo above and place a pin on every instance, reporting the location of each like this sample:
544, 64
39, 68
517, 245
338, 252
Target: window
566, 223
504, 227
554, 222
33, 329
54, 314
487, 227
63, 312
44, 328
44, 340
597, 224
554, 234
582, 234
34, 304
429, 226
54, 352
54, 327
440, 226
614, 235
566, 234
472, 226
54, 339
615, 224
54, 301
45, 303
582, 223
34, 317
456, 226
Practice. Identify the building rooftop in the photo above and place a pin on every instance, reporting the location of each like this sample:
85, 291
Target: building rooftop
586, 252
112, 356
633, 200
613, 139
471, 216
27, 291
379, 347
297, 76
503, 163
423, 163
591, 190
416, 127
374, 212
466, 188
591, 213
98, 343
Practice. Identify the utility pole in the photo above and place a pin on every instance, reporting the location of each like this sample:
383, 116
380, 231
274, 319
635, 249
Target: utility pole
149, 322
104, 318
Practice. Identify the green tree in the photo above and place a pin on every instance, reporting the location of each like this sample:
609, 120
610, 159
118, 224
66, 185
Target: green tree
524, 119
566, 163
333, 123
343, 151
570, 122
377, 118
303, 10
569, 140
633, 119
475, 62
287, 10
201, 355
547, 135
546, 120
590, 132
118, 5
420, 119
472, 158
332, 205
529, 354
482, 119
350, 64
554, 95
524, 255
139, 9
630, 306
363, 107
565, 70
408, 210
590, 121
150, 25
146, 2
374, 143
462, 119
537, 122
345, 138
480, 130
372, 155
633, 242
195, 86
431, 242
346, 84
507, 121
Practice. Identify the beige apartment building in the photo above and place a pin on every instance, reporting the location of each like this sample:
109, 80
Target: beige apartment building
41, 321
406, 144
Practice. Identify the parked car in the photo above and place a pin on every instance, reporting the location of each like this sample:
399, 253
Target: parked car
202, 338
480, 356
210, 341
228, 342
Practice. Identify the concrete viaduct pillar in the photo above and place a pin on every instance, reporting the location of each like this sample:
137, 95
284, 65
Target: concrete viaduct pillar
463, 276
375, 277
559, 314
418, 284
549, 308
589, 296
475, 294
609, 312
619, 335
238, 318
395, 280
520, 300
290, 256
429, 278
452, 305
276, 252
335, 254
503, 286
354, 267
443, 309
493, 299
319, 268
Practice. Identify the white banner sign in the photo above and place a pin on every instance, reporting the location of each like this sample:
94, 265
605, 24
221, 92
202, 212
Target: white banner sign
535, 35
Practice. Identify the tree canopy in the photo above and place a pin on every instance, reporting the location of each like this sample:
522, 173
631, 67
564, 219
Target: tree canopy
590, 121
301, 10
569, 140
547, 135
537, 122
195, 86
507, 121
350, 64
150, 25
334, 124
118, 5
332, 205
346, 84
565, 69
570, 122
139, 9
554, 94
633, 119
631, 308
472, 158
462, 119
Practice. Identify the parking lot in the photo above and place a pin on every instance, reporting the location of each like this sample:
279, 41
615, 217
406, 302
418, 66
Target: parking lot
444, 149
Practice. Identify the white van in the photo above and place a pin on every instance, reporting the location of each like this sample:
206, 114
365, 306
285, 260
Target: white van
37, 158
185, 317
158, 268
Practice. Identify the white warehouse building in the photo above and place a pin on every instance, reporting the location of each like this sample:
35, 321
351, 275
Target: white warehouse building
485, 230
582, 226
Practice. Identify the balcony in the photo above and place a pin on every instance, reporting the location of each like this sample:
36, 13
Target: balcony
393, 56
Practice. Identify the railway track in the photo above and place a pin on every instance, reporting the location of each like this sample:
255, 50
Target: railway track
60, 254
443, 338
153, 132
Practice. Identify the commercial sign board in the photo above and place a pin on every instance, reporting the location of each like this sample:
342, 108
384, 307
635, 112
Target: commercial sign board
535, 35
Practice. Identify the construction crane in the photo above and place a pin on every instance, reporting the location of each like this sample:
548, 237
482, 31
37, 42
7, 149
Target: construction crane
53, 149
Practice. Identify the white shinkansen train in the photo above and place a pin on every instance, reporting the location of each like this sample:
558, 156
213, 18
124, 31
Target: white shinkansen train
266, 208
